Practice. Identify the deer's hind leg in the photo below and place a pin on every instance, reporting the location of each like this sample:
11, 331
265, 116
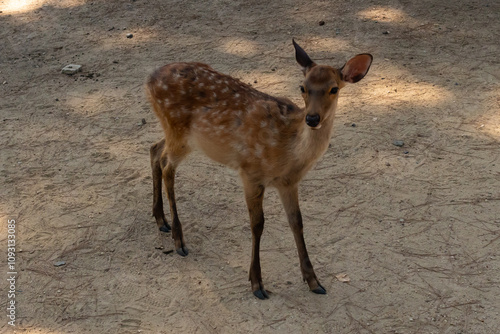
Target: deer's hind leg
157, 165
171, 157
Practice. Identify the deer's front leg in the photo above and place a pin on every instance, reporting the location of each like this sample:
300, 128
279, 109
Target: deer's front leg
290, 199
254, 194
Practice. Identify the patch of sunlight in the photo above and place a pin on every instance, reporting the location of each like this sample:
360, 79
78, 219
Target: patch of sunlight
17, 6
94, 102
492, 127
23, 6
490, 123
273, 83
386, 14
240, 47
416, 94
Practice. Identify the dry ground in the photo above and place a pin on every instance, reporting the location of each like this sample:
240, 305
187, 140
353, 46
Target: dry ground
416, 228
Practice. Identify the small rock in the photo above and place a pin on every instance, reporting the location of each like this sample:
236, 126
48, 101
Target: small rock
59, 263
386, 32
406, 152
143, 121
398, 143
321, 23
353, 125
130, 35
71, 69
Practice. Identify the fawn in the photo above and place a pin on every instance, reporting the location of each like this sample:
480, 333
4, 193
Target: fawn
269, 140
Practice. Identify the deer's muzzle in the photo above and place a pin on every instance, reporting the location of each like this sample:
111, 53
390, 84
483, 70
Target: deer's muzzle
313, 120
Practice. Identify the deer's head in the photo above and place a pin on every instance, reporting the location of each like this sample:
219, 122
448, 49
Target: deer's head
322, 84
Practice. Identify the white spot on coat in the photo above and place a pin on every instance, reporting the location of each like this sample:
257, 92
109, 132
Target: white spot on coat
258, 150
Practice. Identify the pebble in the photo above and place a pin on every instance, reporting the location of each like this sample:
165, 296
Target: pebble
321, 23
386, 32
71, 69
59, 263
398, 143
143, 121
130, 35
353, 125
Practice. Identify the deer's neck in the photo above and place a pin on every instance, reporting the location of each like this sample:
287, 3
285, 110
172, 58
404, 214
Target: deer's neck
313, 143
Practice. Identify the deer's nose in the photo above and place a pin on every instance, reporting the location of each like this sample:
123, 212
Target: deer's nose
313, 120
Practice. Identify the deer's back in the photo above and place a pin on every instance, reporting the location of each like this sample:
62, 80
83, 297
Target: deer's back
230, 121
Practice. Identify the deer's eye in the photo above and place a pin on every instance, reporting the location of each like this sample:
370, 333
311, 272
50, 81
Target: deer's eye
334, 90
302, 89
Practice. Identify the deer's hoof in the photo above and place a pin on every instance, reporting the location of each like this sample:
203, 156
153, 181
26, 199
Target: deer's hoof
319, 290
261, 294
182, 251
165, 228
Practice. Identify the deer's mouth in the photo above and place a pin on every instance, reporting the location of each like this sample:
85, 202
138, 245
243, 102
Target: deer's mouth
317, 127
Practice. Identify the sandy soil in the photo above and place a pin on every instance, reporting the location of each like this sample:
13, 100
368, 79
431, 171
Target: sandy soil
415, 229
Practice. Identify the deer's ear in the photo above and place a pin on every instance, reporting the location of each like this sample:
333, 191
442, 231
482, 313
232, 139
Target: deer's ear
356, 68
302, 58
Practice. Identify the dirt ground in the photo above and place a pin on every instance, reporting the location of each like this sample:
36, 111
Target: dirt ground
415, 230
